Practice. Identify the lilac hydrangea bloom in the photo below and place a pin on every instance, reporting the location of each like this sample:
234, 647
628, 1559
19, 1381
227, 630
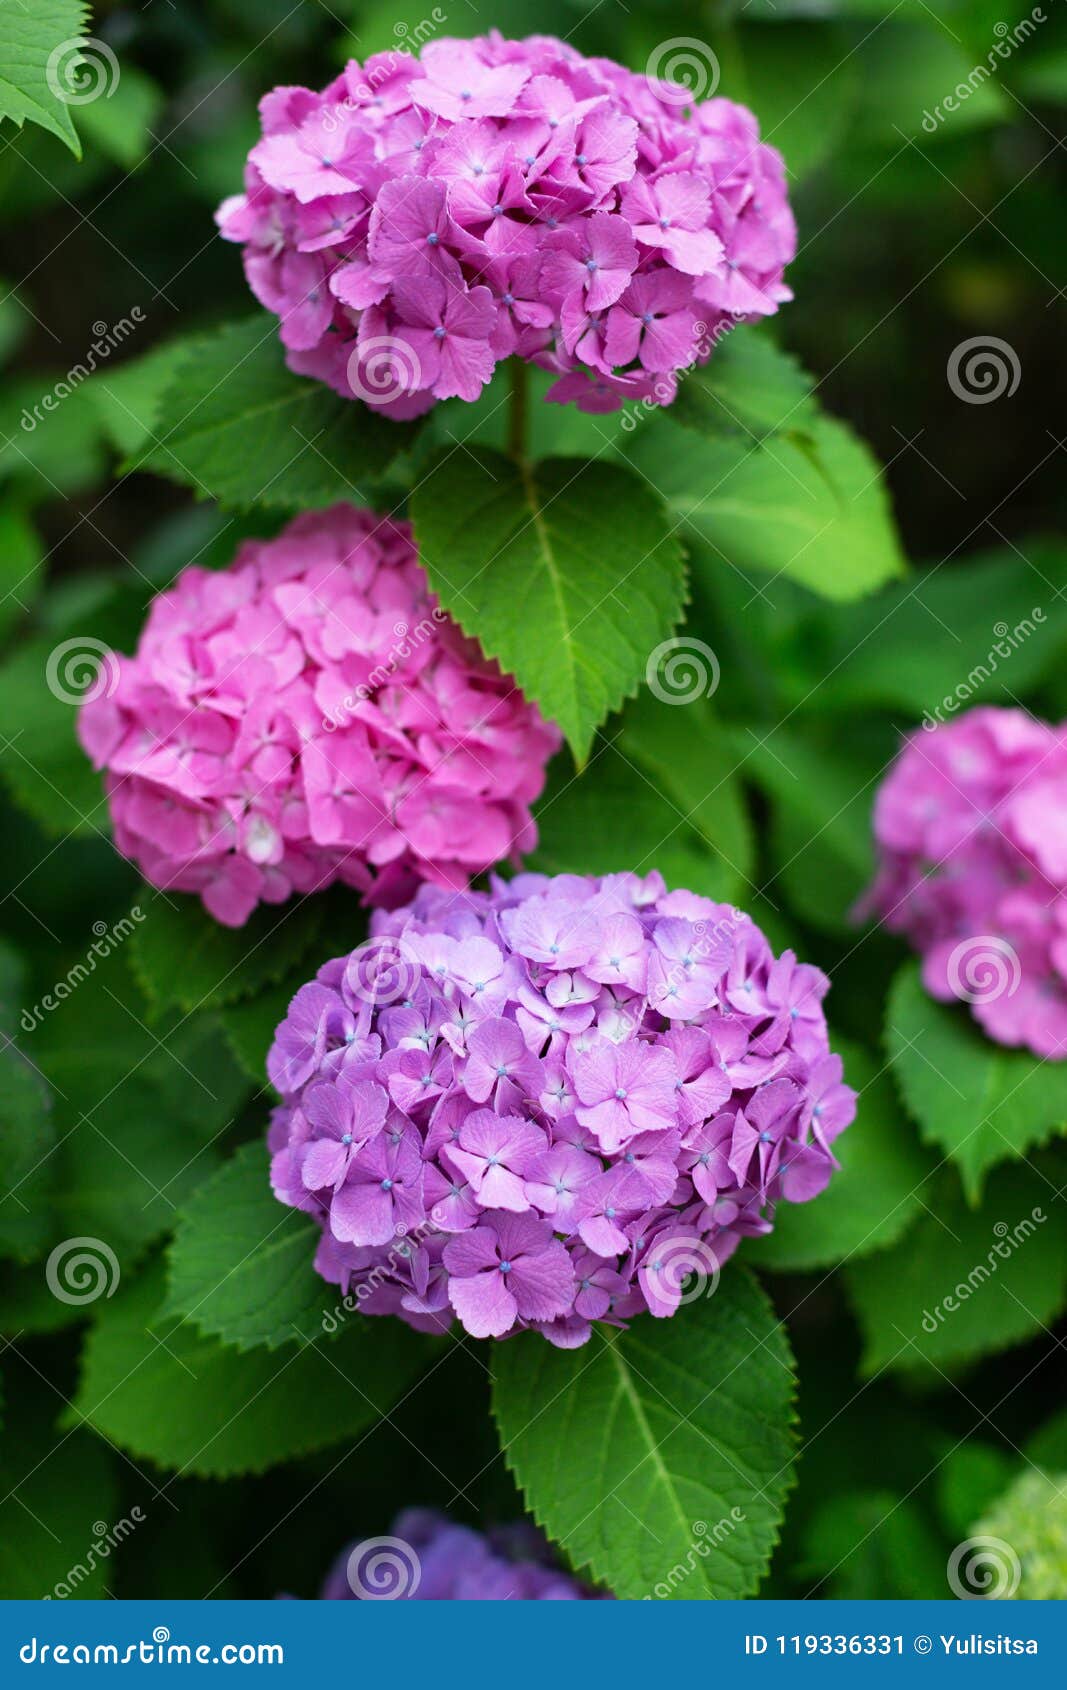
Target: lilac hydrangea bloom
310, 715
969, 824
558, 1101
422, 218
429, 1558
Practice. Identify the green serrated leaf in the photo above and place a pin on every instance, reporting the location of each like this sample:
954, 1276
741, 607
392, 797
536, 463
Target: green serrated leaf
658, 1458
611, 819
873, 1197
976, 1100
683, 747
962, 1282
137, 1108
50, 442
237, 426
183, 956
568, 573
240, 1265
750, 388
978, 630
128, 398
170, 1396
805, 502
821, 786
32, 61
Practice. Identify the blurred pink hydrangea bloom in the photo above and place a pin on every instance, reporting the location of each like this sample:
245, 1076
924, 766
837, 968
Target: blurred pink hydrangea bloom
971, 828
309, 715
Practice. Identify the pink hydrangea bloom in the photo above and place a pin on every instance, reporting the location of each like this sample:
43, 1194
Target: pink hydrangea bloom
971, 828
422, 218
499, 1110
309, 715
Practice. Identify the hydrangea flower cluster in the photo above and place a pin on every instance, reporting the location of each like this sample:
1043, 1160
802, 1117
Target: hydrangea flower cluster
423, 218
971, 828
561, 1101
309, 715
428, 1558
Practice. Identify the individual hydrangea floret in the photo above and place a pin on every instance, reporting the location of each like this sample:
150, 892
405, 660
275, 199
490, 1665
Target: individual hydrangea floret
429, 1558
560, 1101
421, 219
971, 833
309, 715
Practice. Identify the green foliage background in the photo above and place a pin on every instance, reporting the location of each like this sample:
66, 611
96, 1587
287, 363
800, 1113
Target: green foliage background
842, 602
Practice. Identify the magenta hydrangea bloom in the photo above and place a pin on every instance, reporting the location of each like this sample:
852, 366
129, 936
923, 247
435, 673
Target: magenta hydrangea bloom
560, 1101
309, 715
423, 218
971, 829
428, 1558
